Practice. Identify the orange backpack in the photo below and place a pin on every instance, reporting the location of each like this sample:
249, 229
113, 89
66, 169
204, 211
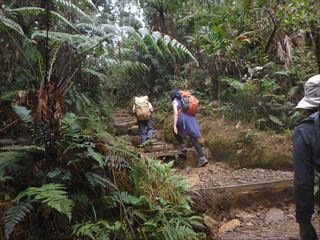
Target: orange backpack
190, 103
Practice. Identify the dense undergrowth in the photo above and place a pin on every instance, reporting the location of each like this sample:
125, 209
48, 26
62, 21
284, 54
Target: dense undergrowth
94, 188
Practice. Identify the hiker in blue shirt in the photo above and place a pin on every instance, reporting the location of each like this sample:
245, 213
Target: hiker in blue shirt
186, 125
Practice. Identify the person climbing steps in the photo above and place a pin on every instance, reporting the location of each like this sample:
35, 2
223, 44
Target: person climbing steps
143, 110
185, 106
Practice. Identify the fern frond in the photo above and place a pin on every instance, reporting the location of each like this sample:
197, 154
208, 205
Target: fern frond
11, 24
92, 230
9, 158
179, 232
92, 27
10, 155
37, 10
97, 180
14, 215
93, 72
60, 37
96, 156
130, 199
72, 8
90, 3
149, 40
136, 38
23, 113
52, 195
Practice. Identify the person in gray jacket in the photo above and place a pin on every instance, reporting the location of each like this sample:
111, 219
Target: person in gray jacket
306, 157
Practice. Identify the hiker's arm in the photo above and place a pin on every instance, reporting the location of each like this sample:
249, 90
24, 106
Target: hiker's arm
175, 116
150, 107
304, 177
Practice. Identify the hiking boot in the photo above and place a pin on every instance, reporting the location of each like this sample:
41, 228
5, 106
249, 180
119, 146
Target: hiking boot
142, 145
148, 142
183, 148
202, 161
307, 232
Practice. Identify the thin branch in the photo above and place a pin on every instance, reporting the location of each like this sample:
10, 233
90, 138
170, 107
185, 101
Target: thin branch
32, 69
52, 61
275, 27
9, 125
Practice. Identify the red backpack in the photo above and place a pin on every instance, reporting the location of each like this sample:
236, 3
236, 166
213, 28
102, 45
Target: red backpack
190, 104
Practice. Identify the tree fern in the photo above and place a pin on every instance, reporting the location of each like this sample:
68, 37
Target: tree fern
14, 215
23, 113
11, 24
52, 195
37, 10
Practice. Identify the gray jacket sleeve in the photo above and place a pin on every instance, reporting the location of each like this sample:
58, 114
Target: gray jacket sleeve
304, 173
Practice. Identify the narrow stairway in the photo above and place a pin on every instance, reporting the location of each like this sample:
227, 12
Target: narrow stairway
253, 195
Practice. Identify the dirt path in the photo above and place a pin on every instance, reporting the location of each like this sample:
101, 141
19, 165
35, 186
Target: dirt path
274, 221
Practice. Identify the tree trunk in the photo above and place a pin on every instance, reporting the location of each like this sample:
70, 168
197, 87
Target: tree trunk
275, 27
316, 41
162, 26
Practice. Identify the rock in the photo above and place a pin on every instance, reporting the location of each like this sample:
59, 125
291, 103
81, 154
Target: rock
193, 180
230, 226
245, 216
290, 216
212, 224
274, 215
249, 224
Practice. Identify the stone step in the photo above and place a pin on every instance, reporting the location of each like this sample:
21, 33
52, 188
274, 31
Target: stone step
156, 154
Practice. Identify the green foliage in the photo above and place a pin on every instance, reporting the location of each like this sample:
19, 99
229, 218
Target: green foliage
23, 113
11, 24
37, 10
52, 195
96, 231
14, 215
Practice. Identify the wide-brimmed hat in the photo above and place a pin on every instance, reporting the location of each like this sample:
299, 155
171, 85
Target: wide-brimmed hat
311, 97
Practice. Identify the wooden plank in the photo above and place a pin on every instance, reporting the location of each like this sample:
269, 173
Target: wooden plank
251, 187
